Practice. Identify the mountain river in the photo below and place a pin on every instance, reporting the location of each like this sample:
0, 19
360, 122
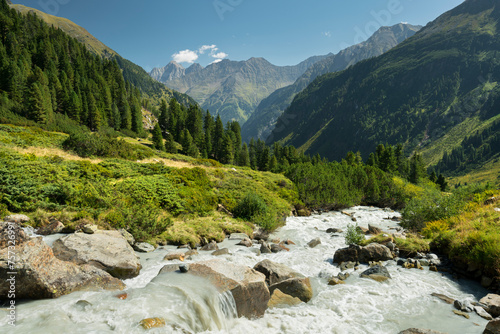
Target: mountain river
191, 305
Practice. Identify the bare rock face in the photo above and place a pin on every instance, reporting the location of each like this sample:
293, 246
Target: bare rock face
39, 274
106, 250
248, 286
276, 272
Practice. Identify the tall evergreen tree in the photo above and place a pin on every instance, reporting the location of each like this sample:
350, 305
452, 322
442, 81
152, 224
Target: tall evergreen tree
95, 118
158, 138
37, 109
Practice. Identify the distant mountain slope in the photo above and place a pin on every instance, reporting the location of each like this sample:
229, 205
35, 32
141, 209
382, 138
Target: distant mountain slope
232, 89
263, 120
132, 72
430, 92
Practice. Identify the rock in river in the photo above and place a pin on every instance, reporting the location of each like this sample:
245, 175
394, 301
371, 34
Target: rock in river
41, 275
295, 287
106, 250
275, 272
248, 286
372, 252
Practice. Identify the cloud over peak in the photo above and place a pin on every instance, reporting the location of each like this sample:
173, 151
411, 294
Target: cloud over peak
190, 56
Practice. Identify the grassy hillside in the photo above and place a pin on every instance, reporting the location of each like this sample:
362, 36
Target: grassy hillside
430, 92
161, 198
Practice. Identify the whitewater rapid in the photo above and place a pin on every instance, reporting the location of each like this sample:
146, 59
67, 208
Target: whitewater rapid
191, 305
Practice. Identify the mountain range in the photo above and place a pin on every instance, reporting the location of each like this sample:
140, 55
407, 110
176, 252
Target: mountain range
231, 89
430, 92
263, 119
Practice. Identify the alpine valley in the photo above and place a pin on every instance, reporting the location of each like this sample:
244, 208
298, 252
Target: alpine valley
355, 192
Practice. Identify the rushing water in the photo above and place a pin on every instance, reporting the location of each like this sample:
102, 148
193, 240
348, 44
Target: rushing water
191, 305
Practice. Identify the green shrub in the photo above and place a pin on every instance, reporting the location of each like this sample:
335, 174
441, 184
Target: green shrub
249, 206
353, 235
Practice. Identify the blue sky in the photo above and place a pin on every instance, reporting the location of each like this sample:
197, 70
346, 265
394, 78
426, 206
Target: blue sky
151, 33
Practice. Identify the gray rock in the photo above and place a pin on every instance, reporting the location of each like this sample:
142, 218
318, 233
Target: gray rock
391, 246
144, 247
265, 249
424, 262
275, 272
129, 237
347, 265
482, 313
245, 242
184, 268
19, 219
334, 230
212, 246
463, 305
375, 252
53, 227
431, 256
41, 275
373, 229
90, 228
275, 248
343, 276
486, 282
377, 273
247, 286
219, 252
106, 250
315, 242
238, 236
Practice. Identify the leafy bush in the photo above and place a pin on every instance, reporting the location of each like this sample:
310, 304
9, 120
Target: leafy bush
353, 235
87, 144
249, 206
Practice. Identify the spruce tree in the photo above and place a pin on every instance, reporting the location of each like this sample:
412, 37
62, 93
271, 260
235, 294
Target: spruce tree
163, 119
95, 118
170, 144
37, 109
158, 138
244, 158
226, 149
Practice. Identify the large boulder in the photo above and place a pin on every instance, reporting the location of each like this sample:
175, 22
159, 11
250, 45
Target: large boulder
354, 253
295, 287
492, 301
106, 250
348, 254
377, 273
375, 252
493, 327
276, 272
54, 226
39, 274
247, 286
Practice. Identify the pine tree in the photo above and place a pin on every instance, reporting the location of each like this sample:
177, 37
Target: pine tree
170, 144
158, 138
188, 145
74, 107
37, 111
244, 158
226, 149
95, 118
217, 138
163, 119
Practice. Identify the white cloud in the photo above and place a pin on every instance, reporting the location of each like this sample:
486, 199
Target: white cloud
186, 56
207, 47
190, 56
327, 34
216, 61
220, 55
